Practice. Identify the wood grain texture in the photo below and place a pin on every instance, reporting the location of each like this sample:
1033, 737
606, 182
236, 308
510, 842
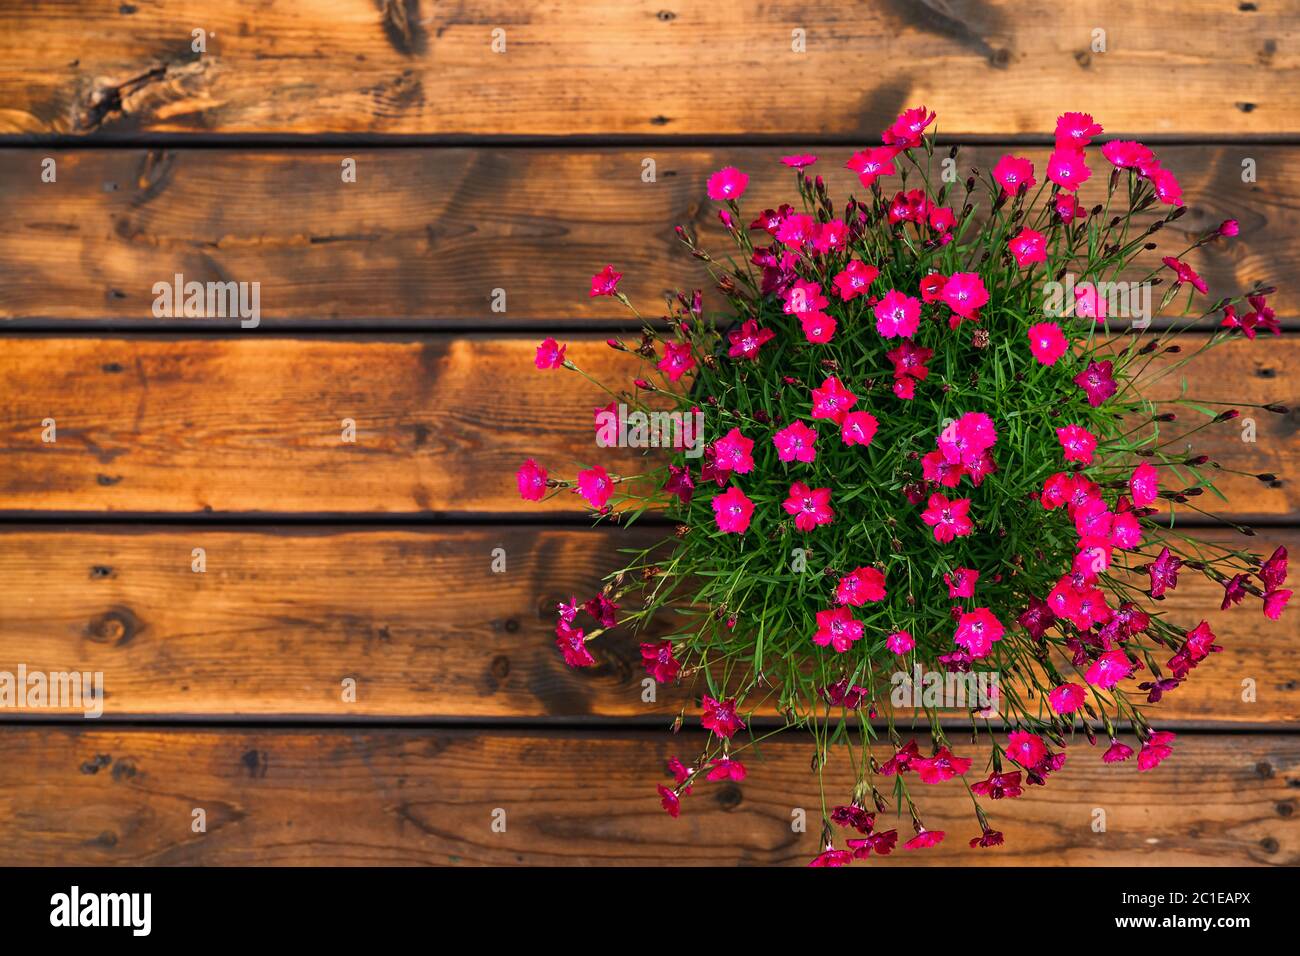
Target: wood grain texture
83, 796
424, 236
424, 626
606, 66
193, 425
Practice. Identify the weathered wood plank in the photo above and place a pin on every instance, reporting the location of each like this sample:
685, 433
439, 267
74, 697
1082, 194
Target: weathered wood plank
425, 236
418, 619
692, 66
104, 797
253, 423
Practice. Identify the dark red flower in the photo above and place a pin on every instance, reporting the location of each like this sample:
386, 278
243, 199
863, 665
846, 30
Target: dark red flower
990, 838
832, 857
669, 800
944, 765
720, 716
924, 838
1164, 573
853, 816
882, 843
999, 785
901, 762
659, 661
602, 609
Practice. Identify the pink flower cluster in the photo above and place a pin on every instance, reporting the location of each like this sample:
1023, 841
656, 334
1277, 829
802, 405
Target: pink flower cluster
819, 289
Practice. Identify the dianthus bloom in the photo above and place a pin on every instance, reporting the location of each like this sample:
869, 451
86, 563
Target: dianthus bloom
1014, 172
1074, 131
1047, 342
966, 440
732, 510
858, 428
909, 361
860, 586
1127, 154
724, 768
1166, 186
732, 453
1077, 442
1067, 169
925, 838
746, 341
680, 483
1273, 571
804, 298
837, 629
1117, 752
720, 716
961, 582
796, 230
1155, 750
900, 642
1109, 669
605, 282
1028, 247
944, 765
1068, 209
855, 279
905, 132
550, 354
1144, 484
1089, 303
977, 631
818, 327
964, 293
1097, 381
677, 360
795, 443
811, 507
999, 786
1275, 603
595, 485
1186, 273
1067, 698
1164, 572
832, 400
727, 183
799, 160
1025, 748
659, 661
949, 519
573, 645
532, 481
871, 164
831, 857
897, 315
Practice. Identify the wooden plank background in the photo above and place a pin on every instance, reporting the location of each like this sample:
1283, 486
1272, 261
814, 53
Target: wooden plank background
520, 171
425, 236
252, 423
405, 797
672, 66
418, 618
